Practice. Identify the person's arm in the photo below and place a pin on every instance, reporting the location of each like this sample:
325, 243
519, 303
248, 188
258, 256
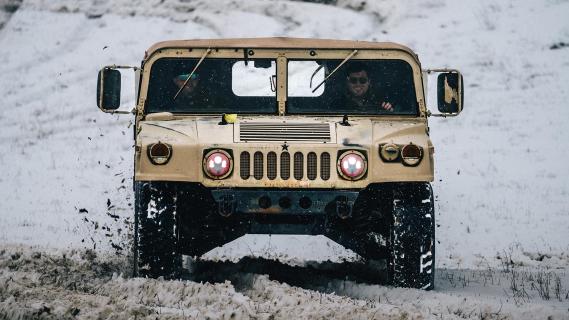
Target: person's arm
386, 106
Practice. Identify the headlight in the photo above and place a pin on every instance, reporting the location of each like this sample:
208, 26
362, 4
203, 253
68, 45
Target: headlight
217, 164
411, 155
159, 153
389, 152
352, 165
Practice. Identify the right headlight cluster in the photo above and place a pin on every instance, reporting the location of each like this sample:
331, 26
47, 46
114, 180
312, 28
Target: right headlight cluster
409, 154
352, 165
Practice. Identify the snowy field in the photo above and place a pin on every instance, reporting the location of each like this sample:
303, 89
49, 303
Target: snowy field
502, 186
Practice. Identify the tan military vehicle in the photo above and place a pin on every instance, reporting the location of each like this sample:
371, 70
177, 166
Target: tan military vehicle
284, 136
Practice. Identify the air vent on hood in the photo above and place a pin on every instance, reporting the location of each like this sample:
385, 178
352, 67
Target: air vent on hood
274, 131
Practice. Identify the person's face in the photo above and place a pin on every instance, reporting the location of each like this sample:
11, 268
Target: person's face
358, 83
190, 87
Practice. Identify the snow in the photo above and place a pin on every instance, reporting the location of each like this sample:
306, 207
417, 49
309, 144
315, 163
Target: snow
501, 183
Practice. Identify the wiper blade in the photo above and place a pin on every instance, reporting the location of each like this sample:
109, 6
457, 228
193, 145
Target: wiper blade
192, 73
336, 69
314, 74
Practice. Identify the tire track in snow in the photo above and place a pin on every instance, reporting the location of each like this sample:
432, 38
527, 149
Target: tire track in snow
81, 285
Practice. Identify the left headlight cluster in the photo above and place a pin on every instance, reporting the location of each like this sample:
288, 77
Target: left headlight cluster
159, 153
217, 164
409, 154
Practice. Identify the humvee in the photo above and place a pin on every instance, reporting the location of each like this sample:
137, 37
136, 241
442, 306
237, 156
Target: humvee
238, 136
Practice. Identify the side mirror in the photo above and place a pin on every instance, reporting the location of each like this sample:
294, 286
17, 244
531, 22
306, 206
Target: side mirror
450, 93
109, 89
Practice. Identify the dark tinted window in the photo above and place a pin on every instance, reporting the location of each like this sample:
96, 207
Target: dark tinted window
358, 87
217, 86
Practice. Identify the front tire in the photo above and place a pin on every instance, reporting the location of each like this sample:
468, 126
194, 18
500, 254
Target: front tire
156, 239
411, 260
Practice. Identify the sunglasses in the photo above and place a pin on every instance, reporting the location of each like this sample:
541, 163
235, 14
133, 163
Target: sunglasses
355, 80
184, 77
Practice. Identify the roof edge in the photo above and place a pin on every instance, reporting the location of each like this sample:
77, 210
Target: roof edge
277, 43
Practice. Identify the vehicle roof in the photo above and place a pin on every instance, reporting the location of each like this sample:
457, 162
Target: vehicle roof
278, 43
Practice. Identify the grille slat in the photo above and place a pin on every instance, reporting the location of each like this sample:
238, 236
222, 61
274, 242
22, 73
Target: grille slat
258, 165
298, 166
316, 132
272, 165
325, 166
280, 133
285, 165
325, 130
284, 139
311, 166
245, 165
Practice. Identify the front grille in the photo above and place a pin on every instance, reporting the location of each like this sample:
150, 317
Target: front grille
271, 131
272, 165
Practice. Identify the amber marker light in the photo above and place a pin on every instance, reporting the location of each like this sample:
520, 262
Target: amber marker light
411, 155
352, 165
217, 164
389, 152
159, 153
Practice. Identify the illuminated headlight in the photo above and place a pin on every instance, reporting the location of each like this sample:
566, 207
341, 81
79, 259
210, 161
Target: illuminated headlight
352, 165
217, 164
389, 152
411, 155
159, 153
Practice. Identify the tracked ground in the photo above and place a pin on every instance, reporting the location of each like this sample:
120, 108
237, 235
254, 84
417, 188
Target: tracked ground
82, 285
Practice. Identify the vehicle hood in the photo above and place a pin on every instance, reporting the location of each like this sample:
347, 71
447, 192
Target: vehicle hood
361, 132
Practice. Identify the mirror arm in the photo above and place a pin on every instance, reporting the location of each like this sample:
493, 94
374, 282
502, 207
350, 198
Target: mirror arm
441, 115
114, 66
429, 71
133, 111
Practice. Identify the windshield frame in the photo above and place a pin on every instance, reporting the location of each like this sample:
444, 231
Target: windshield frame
281, 82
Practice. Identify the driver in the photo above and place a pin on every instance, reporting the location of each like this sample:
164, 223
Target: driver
358, 94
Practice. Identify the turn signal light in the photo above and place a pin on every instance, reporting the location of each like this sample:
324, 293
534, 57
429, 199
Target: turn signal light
389, 152
411, 155
159, 153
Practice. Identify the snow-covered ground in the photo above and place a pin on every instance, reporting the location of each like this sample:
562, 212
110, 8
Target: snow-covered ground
502, 187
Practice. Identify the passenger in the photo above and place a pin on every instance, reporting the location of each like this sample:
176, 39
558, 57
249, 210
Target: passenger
360, 92
192, 93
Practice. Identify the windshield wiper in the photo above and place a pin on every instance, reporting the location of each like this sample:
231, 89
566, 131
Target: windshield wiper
314, 74
192, 73
336, 69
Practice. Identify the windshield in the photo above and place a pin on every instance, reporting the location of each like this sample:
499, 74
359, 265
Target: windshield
371, 87
216, 86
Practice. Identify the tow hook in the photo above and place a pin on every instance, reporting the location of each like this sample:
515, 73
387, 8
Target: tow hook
226, 205
344, 207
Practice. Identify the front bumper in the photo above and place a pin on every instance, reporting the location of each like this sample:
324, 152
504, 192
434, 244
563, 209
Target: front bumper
285, 202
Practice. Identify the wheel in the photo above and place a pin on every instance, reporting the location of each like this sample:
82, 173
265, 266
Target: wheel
156, 245
411, 261
366, 233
